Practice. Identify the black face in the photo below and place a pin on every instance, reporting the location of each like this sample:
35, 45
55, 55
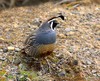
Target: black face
53, 24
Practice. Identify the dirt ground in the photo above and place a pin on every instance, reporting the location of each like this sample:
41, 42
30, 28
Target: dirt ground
78, 39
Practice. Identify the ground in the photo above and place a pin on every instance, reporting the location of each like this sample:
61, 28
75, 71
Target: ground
78, 40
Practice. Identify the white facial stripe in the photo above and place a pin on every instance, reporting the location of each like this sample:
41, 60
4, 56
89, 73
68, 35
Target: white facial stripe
51, 25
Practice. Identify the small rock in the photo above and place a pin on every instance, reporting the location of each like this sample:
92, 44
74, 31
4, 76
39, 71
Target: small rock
88, 62
1, 50
60, 56
94, 71
68, 29
5, 50
98, 75
94, 75
98, 39
39, 73
54, 65
62, 74
62, 35
10, 48
37, 21
97, 8
17, 49
17, 61
75, 12
49, 80
2, 59
84, 66
75, 62
70, 33
23, 66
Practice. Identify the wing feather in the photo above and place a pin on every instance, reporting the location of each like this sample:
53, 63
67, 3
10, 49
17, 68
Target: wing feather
30, 46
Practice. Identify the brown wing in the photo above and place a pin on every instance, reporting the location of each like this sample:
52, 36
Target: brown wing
30, 47
30, 39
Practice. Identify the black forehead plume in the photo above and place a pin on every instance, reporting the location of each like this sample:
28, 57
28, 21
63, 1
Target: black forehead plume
62, 17
59, 16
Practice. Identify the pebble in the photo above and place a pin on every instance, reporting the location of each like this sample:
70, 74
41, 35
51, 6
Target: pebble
22, 66
94, 74
97, 8
84, 66
75, 12
1, 50
94, 71
98, 75
98, 39
68, 29
17, 49
70, 33
62, 74
11, 48
39, 73
60, 56
49, 80
5, 50
88, 62
62, 35
37, 21
75, 62
17, 61
2, 59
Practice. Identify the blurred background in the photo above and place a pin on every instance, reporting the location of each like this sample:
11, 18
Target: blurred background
13, 3
77, 56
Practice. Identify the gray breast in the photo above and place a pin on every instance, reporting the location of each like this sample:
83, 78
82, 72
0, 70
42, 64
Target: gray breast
48, 37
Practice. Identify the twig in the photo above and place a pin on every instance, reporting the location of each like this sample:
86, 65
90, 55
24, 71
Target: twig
64, 1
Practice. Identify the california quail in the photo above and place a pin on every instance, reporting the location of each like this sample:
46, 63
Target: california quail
42, 42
